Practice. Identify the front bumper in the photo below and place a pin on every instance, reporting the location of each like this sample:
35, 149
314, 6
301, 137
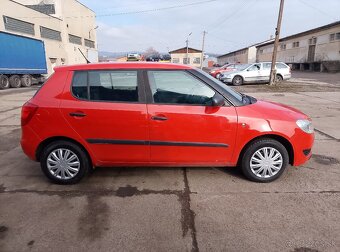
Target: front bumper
303, 144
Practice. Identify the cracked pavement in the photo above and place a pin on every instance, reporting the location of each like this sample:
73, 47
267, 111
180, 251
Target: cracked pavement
174, 209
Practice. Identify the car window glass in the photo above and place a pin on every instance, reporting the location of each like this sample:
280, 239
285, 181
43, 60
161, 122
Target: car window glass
267, 66
254, 67
79, 85
113, 86
179, 87
280, 66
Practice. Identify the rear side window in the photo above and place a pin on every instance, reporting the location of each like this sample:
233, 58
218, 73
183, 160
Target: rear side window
113, 86
179, 87
281, 66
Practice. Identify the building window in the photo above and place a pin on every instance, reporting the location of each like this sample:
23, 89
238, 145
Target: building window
13, 24
296, 44
197, 60
186, 60
89, 43
175, 60
49, 33
283, 47
74, 39
337, 37
261, 51
331, 37
312, 41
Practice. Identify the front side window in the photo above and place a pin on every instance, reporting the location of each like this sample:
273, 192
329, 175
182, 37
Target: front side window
179, 87
254, 67
113, 86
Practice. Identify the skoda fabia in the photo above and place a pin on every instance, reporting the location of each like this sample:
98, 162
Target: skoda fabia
152, 114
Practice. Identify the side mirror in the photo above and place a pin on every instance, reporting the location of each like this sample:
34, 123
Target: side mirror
217, 100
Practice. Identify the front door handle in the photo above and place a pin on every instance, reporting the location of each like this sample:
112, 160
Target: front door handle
77, 114
159, 118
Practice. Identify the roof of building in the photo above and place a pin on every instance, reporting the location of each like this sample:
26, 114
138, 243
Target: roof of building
184, 50
256, 44
122, 65
311, 31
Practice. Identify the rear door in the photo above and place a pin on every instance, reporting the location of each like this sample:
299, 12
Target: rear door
107, 109
265, 71
184, 128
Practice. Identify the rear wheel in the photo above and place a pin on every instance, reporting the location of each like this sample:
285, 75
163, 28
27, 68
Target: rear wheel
264, 160
4, 82
279, 78
64, 162
15, 81
237, 80
26, 80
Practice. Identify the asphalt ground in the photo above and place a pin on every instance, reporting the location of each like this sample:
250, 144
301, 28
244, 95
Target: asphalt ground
178, 209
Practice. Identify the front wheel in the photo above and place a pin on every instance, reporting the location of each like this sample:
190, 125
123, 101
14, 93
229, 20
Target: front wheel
264, 160
64, 162
237, 80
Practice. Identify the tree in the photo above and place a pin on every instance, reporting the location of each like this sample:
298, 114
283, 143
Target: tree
150, 51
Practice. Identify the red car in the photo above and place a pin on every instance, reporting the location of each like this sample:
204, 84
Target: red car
227, 67
154, 114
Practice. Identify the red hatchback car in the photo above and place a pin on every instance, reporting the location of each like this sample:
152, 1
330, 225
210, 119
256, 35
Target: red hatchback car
153, 114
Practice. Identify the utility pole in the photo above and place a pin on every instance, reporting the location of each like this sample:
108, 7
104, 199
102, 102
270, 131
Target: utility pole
187, 43
272, 77
202, 54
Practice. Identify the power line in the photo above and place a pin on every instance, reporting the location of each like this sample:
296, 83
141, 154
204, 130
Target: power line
135, 12
243, 6
317, 9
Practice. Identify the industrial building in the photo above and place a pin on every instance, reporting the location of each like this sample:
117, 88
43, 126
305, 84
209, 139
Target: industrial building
316, 49
65, 26
244, 56
188, 56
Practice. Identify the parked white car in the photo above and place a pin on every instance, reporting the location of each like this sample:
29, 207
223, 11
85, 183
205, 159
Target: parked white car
256, 73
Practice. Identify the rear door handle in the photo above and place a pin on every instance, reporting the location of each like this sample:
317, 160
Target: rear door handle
77, 114
159, 118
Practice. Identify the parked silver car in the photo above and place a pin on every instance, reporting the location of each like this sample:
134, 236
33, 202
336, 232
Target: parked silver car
256, 73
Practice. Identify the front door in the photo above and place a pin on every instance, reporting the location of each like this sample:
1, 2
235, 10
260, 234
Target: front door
184, 128
253, 73
106, 109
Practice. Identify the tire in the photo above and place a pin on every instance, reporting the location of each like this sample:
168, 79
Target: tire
4, 82
15, 81
26, 80
250, 166
279, 78
50, 168
237, 80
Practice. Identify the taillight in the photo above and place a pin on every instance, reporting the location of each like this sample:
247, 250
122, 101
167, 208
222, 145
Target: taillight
27, 112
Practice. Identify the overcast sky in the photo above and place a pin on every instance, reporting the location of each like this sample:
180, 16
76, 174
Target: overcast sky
231, 24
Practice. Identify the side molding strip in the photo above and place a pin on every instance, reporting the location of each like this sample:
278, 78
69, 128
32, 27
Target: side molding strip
159, 143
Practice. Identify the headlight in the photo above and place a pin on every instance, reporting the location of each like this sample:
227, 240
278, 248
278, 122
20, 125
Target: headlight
305, 125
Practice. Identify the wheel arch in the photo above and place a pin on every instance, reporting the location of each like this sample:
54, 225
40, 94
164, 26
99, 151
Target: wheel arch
49, 140
280, 139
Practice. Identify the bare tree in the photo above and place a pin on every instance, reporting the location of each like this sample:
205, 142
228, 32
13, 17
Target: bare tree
150, 51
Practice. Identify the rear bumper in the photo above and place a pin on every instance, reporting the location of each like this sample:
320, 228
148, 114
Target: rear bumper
29, 142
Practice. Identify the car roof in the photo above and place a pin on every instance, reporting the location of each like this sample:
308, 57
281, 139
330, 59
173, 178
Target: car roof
122, 65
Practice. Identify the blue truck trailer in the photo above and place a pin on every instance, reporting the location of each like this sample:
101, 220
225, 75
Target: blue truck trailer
22, 60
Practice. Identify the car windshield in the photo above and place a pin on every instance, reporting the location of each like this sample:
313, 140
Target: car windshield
231, 91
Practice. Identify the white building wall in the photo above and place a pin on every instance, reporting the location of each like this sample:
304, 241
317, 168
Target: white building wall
57, 52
